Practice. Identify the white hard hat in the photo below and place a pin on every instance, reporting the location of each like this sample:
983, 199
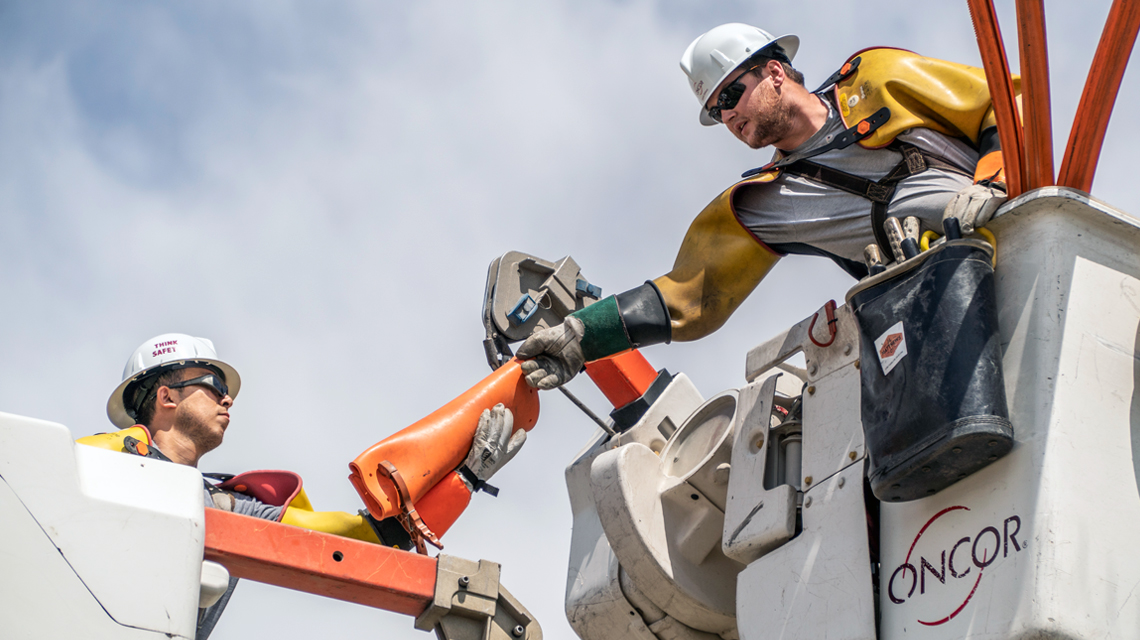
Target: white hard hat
713, 56
159, 354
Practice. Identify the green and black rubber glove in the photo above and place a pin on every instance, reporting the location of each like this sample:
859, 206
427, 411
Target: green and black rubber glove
630, 320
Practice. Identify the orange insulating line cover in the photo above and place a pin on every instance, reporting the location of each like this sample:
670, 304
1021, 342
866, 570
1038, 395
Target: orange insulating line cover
1101, 88
1001, 92
990, 166
320, 563
427, 451
623, 378
442, 506
1035, 94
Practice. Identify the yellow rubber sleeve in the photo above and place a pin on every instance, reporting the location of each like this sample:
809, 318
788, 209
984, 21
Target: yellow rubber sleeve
950, 98
334, 522
301, 501
718, 265
114, 441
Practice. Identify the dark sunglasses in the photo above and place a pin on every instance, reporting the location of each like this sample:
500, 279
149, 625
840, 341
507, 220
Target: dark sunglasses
210, 381
730, 96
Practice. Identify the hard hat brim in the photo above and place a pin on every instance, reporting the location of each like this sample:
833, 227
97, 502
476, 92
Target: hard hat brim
789, 43
116, 408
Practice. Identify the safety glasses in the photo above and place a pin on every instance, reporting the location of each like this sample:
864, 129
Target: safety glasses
210, 381
729, 96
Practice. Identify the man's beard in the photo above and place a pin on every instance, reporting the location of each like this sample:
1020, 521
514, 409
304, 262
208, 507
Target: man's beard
772, 122
200, 433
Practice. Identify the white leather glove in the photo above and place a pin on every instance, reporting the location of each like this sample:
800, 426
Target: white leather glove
556, 352
494, 447
975, 205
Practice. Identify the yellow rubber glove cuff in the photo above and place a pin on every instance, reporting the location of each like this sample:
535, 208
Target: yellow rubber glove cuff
717, 267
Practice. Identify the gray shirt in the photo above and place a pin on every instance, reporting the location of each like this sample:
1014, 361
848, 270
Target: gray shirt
792, 211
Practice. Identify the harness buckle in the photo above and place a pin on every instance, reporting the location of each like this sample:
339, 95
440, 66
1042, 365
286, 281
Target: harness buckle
880, 193
915, 162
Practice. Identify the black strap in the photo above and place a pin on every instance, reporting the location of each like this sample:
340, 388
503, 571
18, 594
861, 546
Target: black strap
476, 483
217, 492
846, 70
878, 227
848, 137
131, 444
880, 192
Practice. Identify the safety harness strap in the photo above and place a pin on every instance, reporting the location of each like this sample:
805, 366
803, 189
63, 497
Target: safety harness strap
880, 193
133, 445
846, 70
223, 499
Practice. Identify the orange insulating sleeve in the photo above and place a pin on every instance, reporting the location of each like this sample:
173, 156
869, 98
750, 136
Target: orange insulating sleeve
622, 378
1101, 88
427, 451
990, 167
1001, 93
1037, 121
442, 506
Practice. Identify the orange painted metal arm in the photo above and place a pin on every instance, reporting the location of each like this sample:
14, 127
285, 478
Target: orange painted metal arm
1099, 96
1001, 92
1035, 94
320, 563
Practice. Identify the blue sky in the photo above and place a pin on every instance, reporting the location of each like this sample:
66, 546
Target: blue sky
319, 187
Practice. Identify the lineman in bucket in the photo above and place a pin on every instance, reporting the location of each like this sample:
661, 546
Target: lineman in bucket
890, 134
174, 405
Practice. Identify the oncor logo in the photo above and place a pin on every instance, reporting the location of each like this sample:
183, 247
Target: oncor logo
967, 558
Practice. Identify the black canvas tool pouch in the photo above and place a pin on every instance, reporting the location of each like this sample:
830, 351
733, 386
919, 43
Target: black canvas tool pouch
933, 395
